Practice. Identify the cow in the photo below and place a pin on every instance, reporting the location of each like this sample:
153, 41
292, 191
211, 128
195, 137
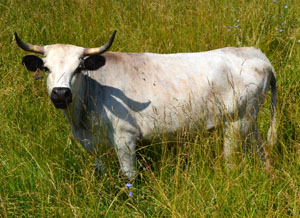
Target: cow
120, 98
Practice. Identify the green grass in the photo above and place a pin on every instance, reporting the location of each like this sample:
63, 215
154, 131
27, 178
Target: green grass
46, 173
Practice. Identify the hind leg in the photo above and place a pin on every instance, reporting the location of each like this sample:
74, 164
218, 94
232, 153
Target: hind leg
253, 142
243, 135
232, 143
263, 150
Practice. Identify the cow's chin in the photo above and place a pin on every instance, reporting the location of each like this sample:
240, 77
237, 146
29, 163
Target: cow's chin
61, 105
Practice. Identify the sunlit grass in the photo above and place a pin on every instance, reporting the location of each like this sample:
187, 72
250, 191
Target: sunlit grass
45, 172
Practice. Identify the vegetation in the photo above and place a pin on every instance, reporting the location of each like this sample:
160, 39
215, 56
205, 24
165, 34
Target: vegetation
46, 173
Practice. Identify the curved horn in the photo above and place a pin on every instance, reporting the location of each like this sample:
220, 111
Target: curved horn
102, 49
29, 47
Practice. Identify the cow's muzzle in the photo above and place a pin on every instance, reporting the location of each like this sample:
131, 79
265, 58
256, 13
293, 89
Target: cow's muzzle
61, 97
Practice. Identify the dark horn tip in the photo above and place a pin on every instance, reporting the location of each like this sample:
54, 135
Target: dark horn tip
113, 35
16, 36
18, 40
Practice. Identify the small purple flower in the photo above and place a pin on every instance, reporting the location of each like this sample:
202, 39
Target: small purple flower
235, 34
130, 194
239, 42
128, 185
274, 1
236, 26
285, 6
281, 30
238, 20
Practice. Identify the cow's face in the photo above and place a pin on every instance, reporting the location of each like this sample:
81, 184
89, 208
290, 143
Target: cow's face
64, 65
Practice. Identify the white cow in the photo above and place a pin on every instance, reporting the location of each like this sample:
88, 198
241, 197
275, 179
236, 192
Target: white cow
117, 98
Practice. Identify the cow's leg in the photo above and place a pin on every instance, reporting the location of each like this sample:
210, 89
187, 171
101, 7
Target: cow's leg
232, 141
261, 147
90, 144
244, 134
99, 165
253, 140
125, 144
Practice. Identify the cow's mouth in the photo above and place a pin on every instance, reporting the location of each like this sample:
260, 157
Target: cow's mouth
61, 97
60, 105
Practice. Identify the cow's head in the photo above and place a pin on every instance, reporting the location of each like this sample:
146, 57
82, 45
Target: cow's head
63, 65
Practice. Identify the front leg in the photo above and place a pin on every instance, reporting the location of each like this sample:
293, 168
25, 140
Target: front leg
125, 144
90, 143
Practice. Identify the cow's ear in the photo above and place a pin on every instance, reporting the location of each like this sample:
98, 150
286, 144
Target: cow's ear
94, 62
32, 62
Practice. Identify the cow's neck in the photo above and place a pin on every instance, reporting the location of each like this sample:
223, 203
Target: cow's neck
75, 110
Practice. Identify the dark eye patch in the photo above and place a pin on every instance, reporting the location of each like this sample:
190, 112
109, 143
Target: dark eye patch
94, 62
32, 62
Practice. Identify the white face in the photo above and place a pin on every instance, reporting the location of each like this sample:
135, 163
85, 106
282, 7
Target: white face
62, 62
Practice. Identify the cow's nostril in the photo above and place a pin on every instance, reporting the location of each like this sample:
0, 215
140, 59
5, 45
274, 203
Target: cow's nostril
68, 93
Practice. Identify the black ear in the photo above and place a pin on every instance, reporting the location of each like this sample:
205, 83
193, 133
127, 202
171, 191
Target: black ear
32, 62
94, 62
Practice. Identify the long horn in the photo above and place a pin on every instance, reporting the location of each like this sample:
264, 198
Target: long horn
102, 49
29, 47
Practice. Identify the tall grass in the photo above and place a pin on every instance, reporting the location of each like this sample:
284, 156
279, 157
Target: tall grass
45, 172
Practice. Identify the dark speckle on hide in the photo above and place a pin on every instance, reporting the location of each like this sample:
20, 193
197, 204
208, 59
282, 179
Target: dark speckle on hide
259, 71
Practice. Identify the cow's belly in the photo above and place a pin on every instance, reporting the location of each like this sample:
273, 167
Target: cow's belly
170, 118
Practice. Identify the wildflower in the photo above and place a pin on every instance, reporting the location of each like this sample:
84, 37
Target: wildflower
281, 30
235, 34
130, 194
238, 20
274, 1
236, 26
285, 6
239, 42
128, 185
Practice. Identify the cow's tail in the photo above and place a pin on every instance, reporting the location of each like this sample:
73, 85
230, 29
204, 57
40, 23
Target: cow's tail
272, 135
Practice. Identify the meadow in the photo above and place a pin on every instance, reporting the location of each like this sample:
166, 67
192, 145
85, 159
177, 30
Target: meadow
44, 172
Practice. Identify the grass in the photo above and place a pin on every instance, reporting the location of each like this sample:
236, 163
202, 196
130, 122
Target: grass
46, 173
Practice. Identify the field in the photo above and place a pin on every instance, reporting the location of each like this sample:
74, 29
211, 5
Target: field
45, 173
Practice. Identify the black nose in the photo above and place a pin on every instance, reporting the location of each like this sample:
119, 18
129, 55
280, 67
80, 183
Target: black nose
61, 97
